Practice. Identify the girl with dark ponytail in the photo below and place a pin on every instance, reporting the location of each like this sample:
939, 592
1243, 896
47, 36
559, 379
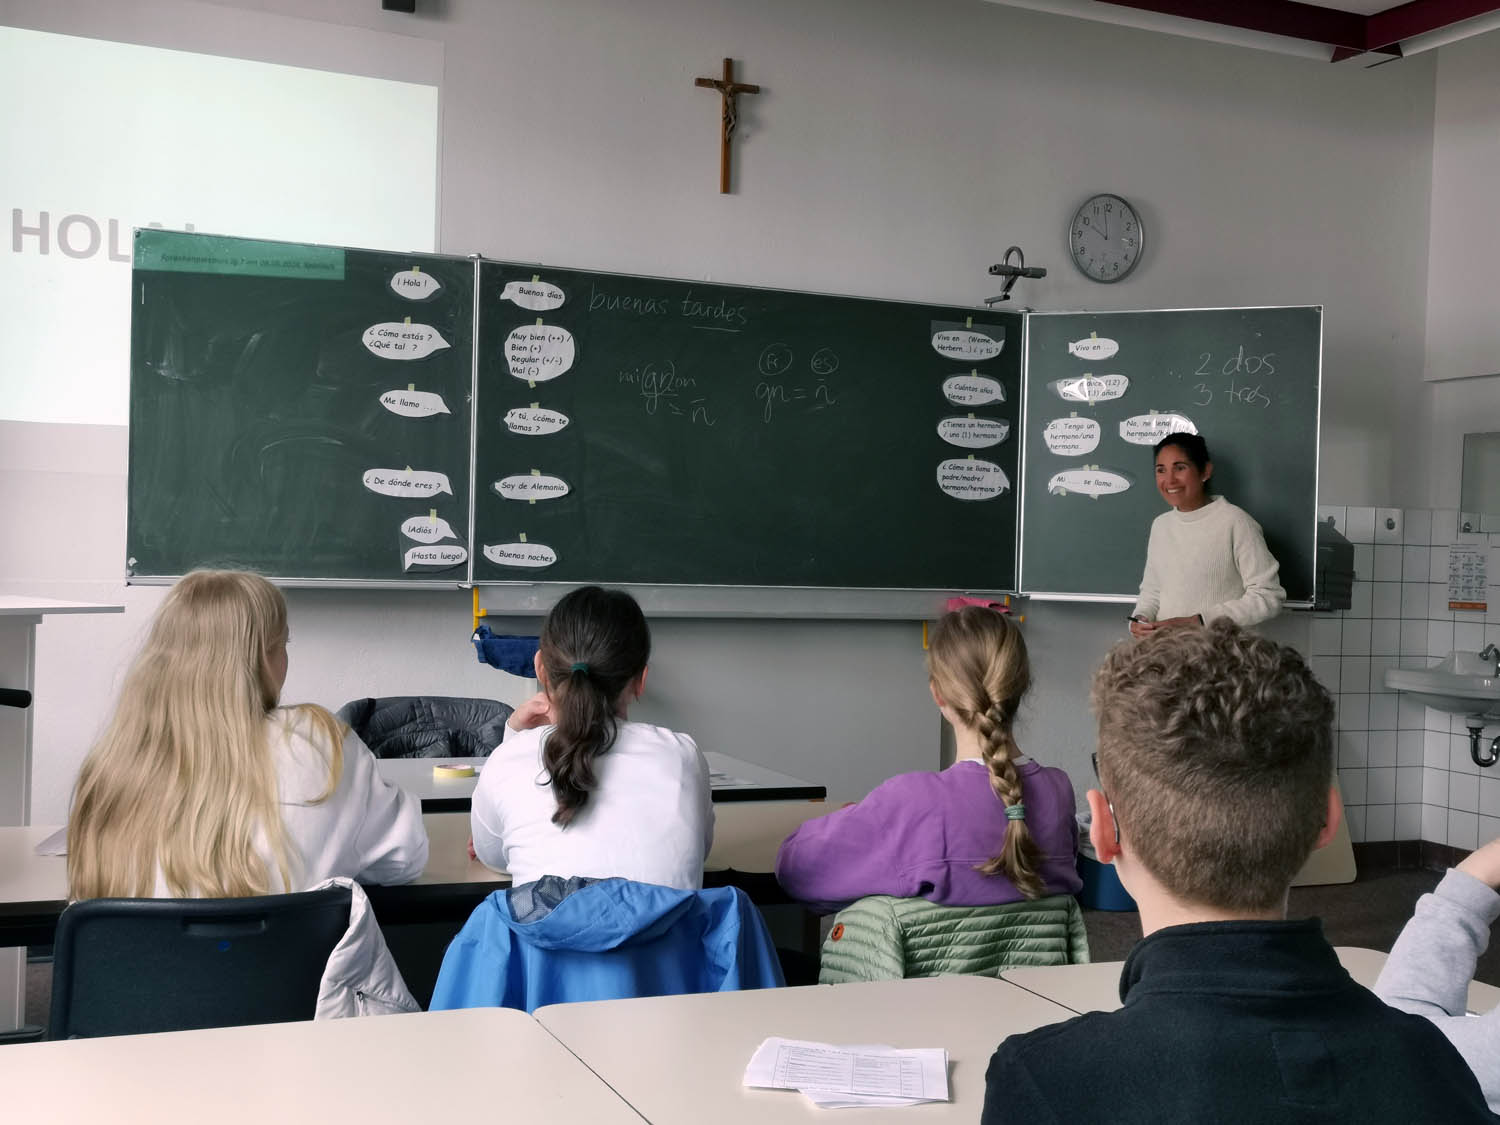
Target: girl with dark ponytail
576, 789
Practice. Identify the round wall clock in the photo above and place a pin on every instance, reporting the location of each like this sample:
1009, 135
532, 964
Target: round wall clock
1105, 238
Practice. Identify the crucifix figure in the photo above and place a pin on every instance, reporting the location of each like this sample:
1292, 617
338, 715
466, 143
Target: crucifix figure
728, 89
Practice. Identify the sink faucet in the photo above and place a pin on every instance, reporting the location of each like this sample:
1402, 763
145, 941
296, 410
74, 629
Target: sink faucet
1490, 652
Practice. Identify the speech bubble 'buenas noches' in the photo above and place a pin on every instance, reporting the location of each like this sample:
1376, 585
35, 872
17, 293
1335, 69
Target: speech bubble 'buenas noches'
427, 529
415, 285
395, 339
535, 486
414, 404
443, 555
1095, 347
1071, 437
973, 433
1087, 481
966, 344
406, 482
965, 478
538, 296
538, 352
972, 390
1148, 429
534, 421
1090, 388
521, 554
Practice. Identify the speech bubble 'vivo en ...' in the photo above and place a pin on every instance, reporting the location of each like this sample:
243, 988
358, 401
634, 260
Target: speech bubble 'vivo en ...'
445, 555
406, 482
534, 421
1093, 482
966, 344
521, 554
1090, 388
1071, 437
538, 352
965, 478
1095, 347
415, 285
427, 529
538, 296
414, 404
535, 486
972, 390
394, 339
1148, 429
973, 433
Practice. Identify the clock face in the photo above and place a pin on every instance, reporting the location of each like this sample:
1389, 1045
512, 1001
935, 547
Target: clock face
1104, 238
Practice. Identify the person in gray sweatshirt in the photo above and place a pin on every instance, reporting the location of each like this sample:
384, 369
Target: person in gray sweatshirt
1432, 962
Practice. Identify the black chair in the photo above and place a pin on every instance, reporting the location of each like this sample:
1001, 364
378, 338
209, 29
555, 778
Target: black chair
128, 965
427, 726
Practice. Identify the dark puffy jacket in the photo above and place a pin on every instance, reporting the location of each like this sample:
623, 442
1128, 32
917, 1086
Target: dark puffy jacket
427, 726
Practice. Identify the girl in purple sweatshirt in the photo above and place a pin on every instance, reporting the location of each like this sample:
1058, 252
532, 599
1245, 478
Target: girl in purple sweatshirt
992, 828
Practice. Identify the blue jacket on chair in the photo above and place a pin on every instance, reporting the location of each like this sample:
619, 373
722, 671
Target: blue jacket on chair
558, 940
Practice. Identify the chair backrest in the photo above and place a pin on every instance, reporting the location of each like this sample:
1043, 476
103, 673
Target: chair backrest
128, 965
427, 726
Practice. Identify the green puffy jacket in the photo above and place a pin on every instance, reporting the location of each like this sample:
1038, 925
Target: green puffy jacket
885, 938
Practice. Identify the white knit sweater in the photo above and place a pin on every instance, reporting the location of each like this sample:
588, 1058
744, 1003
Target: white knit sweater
1211, 561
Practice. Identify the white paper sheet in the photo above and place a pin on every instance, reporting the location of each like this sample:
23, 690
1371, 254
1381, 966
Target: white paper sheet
836, 1077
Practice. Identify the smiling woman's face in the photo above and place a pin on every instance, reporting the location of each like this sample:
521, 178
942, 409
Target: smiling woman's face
1179, 480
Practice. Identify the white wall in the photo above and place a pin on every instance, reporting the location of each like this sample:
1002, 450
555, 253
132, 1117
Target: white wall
896, 149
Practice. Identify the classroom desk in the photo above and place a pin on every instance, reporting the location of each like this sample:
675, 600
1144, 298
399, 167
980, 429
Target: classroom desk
477, 1064
680, 1060
1096, 987
733, 780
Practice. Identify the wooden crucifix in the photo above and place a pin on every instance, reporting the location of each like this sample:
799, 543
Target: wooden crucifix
728, 89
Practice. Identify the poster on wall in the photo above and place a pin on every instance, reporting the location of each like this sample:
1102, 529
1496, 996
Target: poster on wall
1467, 576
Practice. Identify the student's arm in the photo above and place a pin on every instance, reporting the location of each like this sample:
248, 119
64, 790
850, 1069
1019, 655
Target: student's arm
1011, 1094
862, 849
1149, 601
1259, 574
486, 819
391, 845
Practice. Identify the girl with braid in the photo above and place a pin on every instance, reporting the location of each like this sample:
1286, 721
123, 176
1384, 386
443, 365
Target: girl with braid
576, 788
992, 828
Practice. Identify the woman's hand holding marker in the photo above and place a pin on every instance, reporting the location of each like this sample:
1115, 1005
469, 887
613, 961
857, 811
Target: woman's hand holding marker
535, 712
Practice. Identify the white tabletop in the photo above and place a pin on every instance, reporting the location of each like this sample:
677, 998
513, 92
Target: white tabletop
16, 605
680, 1060
480, 1064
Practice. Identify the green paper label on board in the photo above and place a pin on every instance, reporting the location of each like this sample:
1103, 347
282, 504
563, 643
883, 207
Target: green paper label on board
176, 252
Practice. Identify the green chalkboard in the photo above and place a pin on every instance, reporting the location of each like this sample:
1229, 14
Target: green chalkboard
1247, 379
721, 435
285, 417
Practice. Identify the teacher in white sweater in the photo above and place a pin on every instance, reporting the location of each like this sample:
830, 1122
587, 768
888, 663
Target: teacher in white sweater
1206, 558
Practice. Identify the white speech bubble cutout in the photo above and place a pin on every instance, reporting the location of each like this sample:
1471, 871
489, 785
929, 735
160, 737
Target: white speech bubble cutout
533, 487
444, 555
538, 352
1071, 437
415, 285
401, 339
1148, 429
966, 344
972, 390
427, 529
536, 294
973, 433
966, 478
534, 420
1090, 481
1095, 347
1090, 388
406, 482
414, 404
521, 554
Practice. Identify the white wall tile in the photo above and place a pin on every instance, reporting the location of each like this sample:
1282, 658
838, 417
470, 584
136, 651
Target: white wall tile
1439, 638
1380, 787
1324, 635
1437, 720
1352, 785
1364, 562
1354, 674
1356, 637
1434, 749
1408, 784
1418, 523
1361, 525
1414, 634
1489, 795
1444, 525
1414, 564
1360, 599
1354, 711
1489, 828
1434, 787
1414, 601
1434, 823
1385, 635
1383, 713
1460, 759
1463, 830
1410, 715
1382, 748
1380, 822
1437, 602
1326, 669
1354, 817
1468, 636
1408, 821
1463, 792
1385, 599
1388, 525
1338, 514
1409, 747
1388, 562
1354, 748
1437, 564
1468, 617
1379, 665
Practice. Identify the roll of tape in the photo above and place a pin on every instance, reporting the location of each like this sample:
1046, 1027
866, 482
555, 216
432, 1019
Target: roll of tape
452, 769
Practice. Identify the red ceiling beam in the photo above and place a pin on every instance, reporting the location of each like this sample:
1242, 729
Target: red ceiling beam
1274, 17
1419, 17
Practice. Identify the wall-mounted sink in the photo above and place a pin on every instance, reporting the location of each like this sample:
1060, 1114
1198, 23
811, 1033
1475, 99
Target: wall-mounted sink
1464, 683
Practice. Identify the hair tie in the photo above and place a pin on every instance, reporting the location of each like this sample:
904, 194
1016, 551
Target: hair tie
580, 666
1015, 812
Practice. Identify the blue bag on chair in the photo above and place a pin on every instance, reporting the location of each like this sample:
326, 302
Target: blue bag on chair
510, 654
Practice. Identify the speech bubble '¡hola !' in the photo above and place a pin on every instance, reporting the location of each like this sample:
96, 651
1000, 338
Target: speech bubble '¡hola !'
965, 478
534, 486
973, 433
972, 390
538, 296
394, 339
427, 529
415, 285
1095, 347
1148, 429
414, 404
534, 421
521, 554
406, 482
441, 556
1071, 437
966, 344
1090, 388
1087, 482
538, 352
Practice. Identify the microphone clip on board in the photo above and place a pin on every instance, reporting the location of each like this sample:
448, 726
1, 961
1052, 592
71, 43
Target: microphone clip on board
1011, 270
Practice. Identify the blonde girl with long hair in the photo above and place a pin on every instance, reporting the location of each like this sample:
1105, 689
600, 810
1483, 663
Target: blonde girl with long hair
202, 785
992, 828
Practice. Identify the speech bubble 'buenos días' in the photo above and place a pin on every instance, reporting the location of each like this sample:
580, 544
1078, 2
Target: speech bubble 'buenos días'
973, 433
1090, 388
534, 486
1071, 437
406, 482
1087, 481
1148, 429
972, 390
966, 344
538, 352
443, 555
538, 296
1095, 347
965, 478
414, 404
521, 554
415, 285
534, 421
427, 529
395, 339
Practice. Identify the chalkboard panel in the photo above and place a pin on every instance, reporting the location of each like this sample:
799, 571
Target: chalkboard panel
641, 430
285, 417
1247, 379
